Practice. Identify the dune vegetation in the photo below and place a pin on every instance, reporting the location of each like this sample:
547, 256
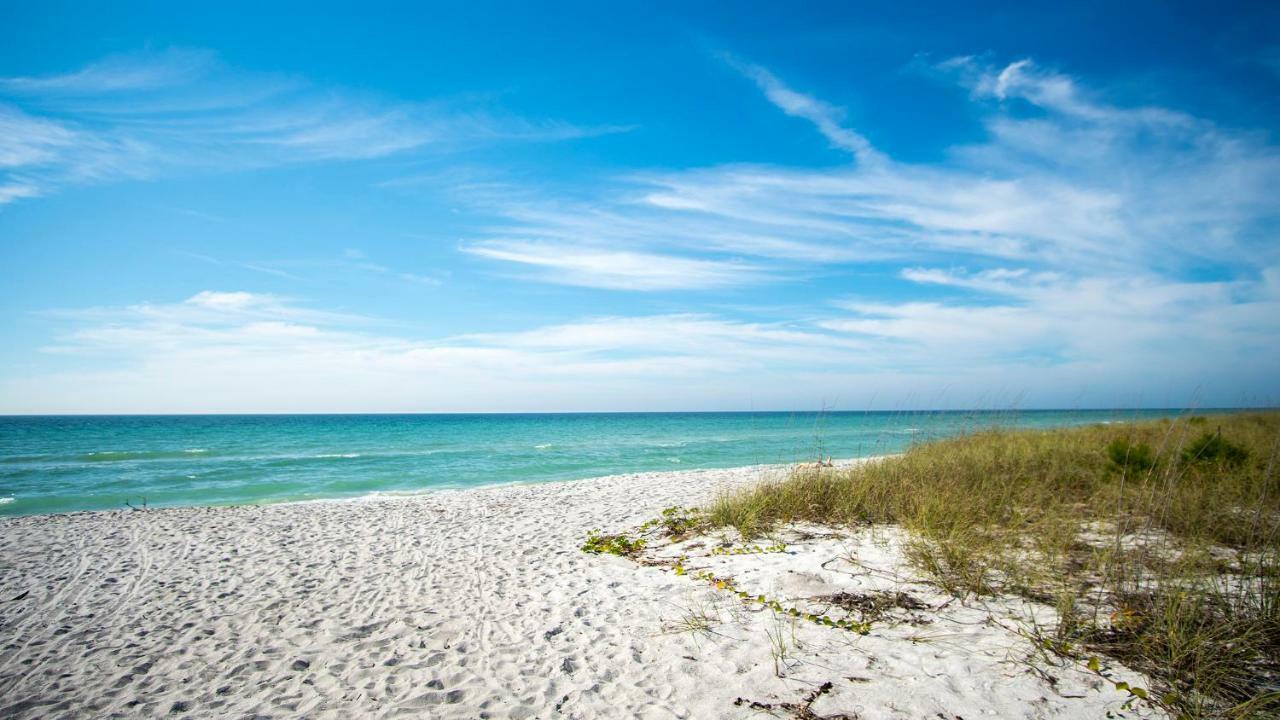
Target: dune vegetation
1157, 542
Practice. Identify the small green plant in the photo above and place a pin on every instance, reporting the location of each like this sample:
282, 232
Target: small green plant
678, 521
616, 544
727, 584
751, 549
778, 646
699, 620
675, 521
1212, 447
1131, 456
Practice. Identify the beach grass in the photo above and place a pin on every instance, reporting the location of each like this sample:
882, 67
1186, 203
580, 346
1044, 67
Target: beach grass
1157, 542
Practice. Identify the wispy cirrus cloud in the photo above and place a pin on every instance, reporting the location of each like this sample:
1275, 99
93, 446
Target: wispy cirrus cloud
207, 308
17, 190
603, 267
827, 118
1063, 180
120, 72
356, 258
141, 115
352, 261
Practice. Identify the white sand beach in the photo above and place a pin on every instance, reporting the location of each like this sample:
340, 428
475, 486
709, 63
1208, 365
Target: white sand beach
480, 604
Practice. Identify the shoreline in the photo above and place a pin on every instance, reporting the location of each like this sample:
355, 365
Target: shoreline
378, 495
57, 465
476, 603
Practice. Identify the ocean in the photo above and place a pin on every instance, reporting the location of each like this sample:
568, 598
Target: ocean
54, 464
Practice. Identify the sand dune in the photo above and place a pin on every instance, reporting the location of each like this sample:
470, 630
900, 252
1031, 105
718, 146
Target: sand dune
479, 603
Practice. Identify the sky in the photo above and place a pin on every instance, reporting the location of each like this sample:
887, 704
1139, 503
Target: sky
648, 206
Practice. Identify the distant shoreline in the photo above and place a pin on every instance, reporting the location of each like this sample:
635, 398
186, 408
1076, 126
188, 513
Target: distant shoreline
394, 413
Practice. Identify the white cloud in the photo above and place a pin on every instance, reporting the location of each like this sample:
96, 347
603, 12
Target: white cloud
351, 261
427, 280
200, 312
683, 333
995, 280
1045, 341
587, 266
238, 351
16, 191
146, 114
120, 72
226, 300
1170, 327
358, 260
825, 117
26, 140
1024, 80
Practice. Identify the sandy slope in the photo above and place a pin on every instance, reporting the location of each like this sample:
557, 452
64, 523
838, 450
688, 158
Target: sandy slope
477, 604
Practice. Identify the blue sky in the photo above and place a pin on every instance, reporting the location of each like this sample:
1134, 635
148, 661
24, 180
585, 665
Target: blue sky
639, 206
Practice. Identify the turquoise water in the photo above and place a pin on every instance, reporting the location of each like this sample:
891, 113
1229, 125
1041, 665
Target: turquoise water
59, 464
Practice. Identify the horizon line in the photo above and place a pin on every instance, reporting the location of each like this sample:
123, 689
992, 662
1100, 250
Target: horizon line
1239, 408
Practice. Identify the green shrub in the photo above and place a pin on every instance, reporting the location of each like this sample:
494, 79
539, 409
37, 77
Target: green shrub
1128, 455
1212, 447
